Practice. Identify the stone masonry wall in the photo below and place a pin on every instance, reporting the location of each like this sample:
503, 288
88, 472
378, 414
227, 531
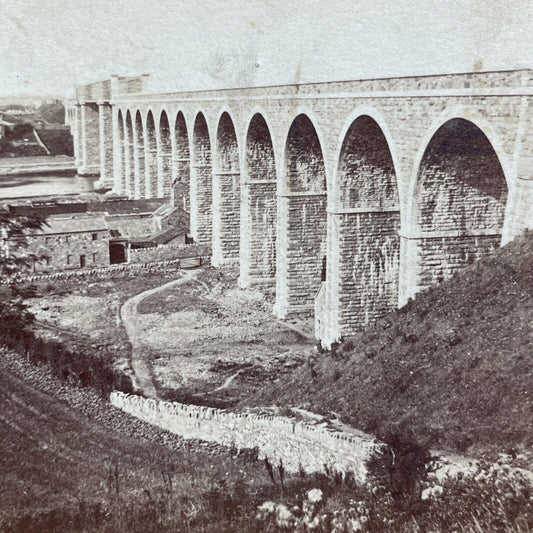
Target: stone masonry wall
129, 157
258, 233
439, 258
164, 158
181, 165
139, 178
150, 160
298, 445
368, 266
64, 250
362, 279
106, 145
300, 252
90, 140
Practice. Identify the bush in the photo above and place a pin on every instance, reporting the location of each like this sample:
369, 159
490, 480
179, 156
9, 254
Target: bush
80, 363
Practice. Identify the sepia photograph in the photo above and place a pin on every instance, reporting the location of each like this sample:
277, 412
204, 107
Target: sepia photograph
266, 266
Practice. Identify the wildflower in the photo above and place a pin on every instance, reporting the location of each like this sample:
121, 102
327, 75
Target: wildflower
314, 495
284, 518
437, 491
265, 510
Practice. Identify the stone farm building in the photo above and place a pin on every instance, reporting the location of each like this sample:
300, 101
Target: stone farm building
96, 234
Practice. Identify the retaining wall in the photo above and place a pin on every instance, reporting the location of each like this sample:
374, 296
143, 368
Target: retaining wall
298, 445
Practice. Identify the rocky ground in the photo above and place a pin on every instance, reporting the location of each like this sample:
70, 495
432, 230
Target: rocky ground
210, 342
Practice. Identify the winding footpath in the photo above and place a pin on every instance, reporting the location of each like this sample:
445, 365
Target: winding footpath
130, 319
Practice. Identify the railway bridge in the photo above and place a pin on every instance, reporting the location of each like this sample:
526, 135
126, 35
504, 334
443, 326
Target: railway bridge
349, 196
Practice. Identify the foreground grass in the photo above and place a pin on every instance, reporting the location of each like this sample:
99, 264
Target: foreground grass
94, 469
453, 367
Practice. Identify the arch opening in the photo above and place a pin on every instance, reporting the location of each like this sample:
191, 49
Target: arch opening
151, 157
201, 183
139, 155
301, 225
181, 166
119, 186
226, 193
259, 205
459, 205
129, 156
164, 159
363, 273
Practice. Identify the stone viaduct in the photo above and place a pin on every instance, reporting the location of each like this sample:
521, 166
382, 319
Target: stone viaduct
349, 196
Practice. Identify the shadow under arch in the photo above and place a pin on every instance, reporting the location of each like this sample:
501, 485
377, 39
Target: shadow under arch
301, 224
226, 192
364, 221
201, 182
457, 208
259, 205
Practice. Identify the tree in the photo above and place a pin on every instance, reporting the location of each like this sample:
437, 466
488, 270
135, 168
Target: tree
14, 259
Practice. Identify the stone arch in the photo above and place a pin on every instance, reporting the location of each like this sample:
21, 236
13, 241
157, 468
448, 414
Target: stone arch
164, 157
301, 223
376, 115
458, 206
201, 182
129, 155
139, 156
259, 205
226, 193
181, 165
363, 268
151, 157
454, 112
120, 156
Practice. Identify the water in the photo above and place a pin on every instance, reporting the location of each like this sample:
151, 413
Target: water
38, 185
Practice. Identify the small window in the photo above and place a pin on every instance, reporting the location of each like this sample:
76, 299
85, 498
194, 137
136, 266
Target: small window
69, 260
95, 257
94, 236
82, 261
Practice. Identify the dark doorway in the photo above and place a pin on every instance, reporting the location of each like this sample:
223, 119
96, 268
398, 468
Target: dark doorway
117, 253
82, 261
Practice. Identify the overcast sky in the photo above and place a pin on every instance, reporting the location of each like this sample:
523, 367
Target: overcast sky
48, 46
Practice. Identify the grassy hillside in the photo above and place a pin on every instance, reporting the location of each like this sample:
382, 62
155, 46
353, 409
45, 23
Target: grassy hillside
71, 462
454, 367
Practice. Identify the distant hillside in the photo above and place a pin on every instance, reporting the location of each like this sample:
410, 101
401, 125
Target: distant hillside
52, 113
58, 141
454, 366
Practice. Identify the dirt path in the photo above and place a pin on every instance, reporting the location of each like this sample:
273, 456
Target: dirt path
128, 313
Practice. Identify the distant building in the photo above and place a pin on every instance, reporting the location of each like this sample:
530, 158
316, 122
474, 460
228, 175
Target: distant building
95, 234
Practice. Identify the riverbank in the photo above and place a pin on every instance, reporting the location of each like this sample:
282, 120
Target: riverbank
40, 165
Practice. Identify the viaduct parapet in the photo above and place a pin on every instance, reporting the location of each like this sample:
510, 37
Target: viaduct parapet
349, 196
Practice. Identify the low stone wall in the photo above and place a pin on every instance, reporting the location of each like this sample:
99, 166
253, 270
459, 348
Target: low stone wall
175, 264
298, 445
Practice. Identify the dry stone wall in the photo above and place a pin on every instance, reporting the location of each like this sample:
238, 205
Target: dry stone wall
296, 444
